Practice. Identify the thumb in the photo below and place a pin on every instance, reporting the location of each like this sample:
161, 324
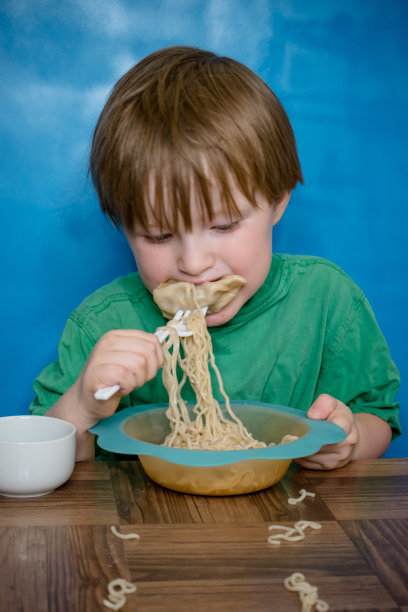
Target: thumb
322, 407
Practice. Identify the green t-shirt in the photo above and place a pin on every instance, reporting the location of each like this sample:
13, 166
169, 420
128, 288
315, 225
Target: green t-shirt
308, 330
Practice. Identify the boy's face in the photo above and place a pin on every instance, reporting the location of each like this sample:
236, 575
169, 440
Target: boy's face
212, 249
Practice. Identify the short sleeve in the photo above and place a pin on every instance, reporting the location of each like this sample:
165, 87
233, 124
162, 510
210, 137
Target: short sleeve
358, 369
73, 350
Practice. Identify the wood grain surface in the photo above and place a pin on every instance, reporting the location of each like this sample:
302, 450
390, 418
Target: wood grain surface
196, 553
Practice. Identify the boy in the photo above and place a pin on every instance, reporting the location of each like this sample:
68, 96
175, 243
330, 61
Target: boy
194, 157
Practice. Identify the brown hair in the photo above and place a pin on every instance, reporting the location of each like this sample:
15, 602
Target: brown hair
181, 121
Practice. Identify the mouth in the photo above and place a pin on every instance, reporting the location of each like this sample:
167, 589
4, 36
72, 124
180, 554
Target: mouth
198, 282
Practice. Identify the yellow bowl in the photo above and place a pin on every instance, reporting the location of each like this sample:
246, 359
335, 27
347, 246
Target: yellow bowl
141, 430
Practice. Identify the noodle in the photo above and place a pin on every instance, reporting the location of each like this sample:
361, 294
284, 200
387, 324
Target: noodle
124, 536
210, 430
302, 494
118, 589
291, 534
307, 593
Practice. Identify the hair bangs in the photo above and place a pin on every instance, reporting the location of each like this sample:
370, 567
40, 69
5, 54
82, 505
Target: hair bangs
181, 183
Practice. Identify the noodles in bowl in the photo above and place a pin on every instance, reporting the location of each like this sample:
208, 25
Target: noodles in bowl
241, 476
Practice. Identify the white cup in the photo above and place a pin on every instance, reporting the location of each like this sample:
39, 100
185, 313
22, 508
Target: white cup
37, 454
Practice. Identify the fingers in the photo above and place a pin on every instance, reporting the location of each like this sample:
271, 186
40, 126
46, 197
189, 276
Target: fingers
128, 369
322, 407
328, 408
332, 455
309, 464
133, 341
325, 460
125, 357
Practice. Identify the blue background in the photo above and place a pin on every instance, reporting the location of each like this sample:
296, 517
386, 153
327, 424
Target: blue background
338, 66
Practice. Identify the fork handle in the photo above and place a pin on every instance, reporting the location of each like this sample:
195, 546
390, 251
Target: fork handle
106, 392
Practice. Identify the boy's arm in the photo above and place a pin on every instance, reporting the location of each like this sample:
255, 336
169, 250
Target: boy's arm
374, 436
126, 357
69, 409
368, 436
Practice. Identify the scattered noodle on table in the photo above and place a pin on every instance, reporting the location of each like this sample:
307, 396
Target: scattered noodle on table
118, 589
124, 536
291, 534
302, 494
307, 593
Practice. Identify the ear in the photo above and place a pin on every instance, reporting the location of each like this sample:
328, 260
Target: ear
280, 206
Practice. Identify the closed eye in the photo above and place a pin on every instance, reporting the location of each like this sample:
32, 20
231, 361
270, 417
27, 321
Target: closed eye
226, 227
158, 238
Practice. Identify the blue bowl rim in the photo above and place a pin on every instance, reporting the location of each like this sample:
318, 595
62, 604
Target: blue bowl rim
112, 437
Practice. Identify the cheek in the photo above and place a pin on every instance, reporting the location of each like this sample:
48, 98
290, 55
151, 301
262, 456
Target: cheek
153, 268
254, 260
255, 250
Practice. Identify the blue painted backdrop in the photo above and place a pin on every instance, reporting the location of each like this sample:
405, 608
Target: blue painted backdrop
339, 67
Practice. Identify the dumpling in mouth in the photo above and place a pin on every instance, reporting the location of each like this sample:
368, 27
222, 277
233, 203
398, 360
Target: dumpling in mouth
174, 295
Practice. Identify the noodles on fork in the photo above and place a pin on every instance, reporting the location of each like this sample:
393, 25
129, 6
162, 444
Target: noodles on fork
211, 429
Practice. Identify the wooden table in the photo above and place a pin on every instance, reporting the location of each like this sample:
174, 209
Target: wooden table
198, 553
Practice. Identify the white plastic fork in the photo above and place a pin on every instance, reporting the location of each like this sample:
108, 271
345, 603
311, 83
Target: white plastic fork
106, 393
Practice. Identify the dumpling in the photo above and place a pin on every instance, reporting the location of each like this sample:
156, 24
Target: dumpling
174, 295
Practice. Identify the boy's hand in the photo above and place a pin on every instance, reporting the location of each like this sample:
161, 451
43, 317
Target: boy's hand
125, 357
332, 455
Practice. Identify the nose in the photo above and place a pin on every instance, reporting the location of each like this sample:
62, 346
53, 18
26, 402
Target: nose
196, 255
